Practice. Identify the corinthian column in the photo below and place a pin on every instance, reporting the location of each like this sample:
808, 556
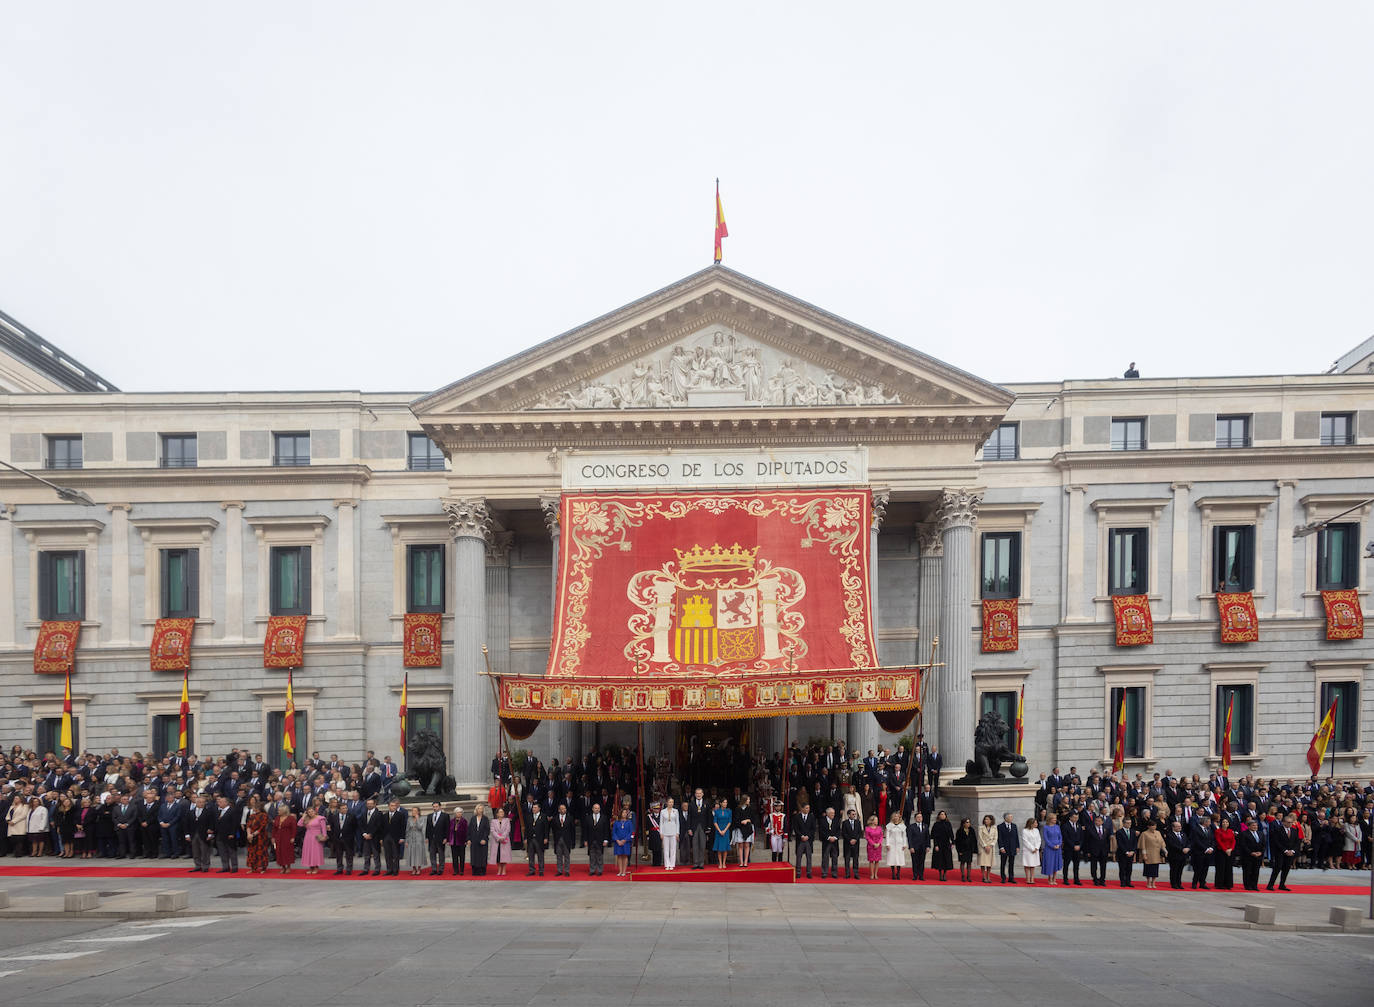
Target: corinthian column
862, 729
470, 525
928, 622
956, 515
565, 736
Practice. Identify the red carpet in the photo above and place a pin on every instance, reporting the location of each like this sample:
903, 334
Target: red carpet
756, 873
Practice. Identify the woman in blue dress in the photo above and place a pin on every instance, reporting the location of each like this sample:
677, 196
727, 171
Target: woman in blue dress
623, 836
1052, 857
722, 820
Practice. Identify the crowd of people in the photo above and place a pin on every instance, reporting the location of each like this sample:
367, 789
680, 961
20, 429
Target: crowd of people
818, 801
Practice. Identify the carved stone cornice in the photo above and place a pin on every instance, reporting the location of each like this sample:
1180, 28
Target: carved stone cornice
928, 535
468, 517
958, 509
880, 498
549, 505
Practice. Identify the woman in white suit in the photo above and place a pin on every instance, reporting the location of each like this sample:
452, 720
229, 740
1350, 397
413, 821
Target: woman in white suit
669, 828
1031, 841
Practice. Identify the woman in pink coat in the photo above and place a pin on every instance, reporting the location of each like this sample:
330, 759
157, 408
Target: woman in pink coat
500, 839
312, 846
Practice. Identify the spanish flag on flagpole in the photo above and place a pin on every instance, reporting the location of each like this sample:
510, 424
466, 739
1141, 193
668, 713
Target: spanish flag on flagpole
65, 740
1226, 738
288, 721
185, 711
1021, 722
1316, 751
405, 680
721, 230
1119, 754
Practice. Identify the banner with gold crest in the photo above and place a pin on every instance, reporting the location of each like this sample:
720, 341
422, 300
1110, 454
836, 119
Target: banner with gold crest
1344, 619
54, 652
1236, 612
422, 640
1001, 629
284, 645
170, 649
1135, 625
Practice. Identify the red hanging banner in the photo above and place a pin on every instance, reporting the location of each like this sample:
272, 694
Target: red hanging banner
1344, 619
170, 649
1134, 624
1239, 622
54, 652
1000, 630
422, 641
284, 645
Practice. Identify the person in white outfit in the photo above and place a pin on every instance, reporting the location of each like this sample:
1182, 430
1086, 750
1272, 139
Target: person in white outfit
1030, 849
894, 846
669, 828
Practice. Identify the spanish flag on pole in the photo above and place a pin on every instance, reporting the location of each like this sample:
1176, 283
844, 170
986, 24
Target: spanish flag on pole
1021, 722
185, 711
65, 740
405, 679
1226, 738
1119, 753
721, 230
1316, 751
288, 721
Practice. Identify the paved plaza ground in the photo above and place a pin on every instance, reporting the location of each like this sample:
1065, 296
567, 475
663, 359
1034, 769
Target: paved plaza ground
255, 941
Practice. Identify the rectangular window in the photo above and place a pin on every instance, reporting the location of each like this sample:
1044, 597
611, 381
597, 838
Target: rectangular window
1347, 736
1233, 431
1001, 564
167, 734
1337, 429
291, 449
64, 451
1128, 434
1127, 560
1338, 556
180, 572
423, 718
178, 451
1003, 704
277, 757
424, 578
1233, 557
1135, 720
424, 455
47, 733
1003, 445
1242, 718
290, 580
61, 585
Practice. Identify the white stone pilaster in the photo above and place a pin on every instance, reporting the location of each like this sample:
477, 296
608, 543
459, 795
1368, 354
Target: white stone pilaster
473, 709
119, 573
1283, 560
346, 624
1073, 546
956, 516
1178, 580
7, 578
233, 569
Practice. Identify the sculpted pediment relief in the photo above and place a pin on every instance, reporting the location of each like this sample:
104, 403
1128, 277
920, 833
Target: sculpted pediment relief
716, 366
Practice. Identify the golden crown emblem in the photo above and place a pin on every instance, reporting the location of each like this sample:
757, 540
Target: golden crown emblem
715, 558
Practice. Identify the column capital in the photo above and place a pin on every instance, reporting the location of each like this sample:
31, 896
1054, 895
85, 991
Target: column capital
958, 509
880, 499
1180, 486
928, 535
549, 506
1286, 483
468, 517
112, 507
498, 547
227, 504
340, 504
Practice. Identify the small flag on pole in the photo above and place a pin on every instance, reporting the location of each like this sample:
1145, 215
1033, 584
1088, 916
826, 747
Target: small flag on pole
185, 711
1119, 755
65, 740
1021, 722
405, 679
1316, 751
721, 230
1226, 738
288, 721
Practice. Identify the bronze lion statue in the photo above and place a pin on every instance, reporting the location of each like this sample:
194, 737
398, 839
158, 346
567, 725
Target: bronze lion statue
990, 749
428, 763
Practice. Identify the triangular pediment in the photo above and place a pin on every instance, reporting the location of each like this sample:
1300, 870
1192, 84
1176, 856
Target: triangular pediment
715, 339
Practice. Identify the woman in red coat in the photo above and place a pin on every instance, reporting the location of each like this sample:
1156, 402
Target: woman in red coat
284, 837
1222, 858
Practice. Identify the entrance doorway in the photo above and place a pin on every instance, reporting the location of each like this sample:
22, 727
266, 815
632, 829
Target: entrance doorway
714, 753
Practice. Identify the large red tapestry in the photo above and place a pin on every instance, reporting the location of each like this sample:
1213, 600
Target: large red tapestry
681, 595
284, 645
54, 652
1239, 621
1000, 625
1134, 624
1344, 619
170, 649
422, 641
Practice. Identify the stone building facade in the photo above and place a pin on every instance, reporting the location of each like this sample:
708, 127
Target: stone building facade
1056, 494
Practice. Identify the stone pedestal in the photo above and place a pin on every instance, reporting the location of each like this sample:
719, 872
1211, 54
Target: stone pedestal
995, 799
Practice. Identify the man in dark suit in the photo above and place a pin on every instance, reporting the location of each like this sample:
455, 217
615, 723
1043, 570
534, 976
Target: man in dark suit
198, 826
851, 835
536, 840
699, 825
1176, 850
436, 835
373, 825
564, 832
1283, 847
829, 834
1250, 853
341, 826
1125, 843
479, 838
1073, 846
1097, 844
1204, 844
1008, 842
917, 841
804, 835
596, 834
125, 817
934, 763
226, 830
393, 836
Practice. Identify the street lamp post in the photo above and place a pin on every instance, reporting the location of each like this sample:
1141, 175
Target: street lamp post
66, 493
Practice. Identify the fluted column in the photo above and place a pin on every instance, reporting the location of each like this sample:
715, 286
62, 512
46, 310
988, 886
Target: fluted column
956, 516
862, 729
565, 739
928, 622
497, 637
470, 525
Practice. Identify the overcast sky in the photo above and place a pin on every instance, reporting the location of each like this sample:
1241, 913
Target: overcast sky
388, 196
